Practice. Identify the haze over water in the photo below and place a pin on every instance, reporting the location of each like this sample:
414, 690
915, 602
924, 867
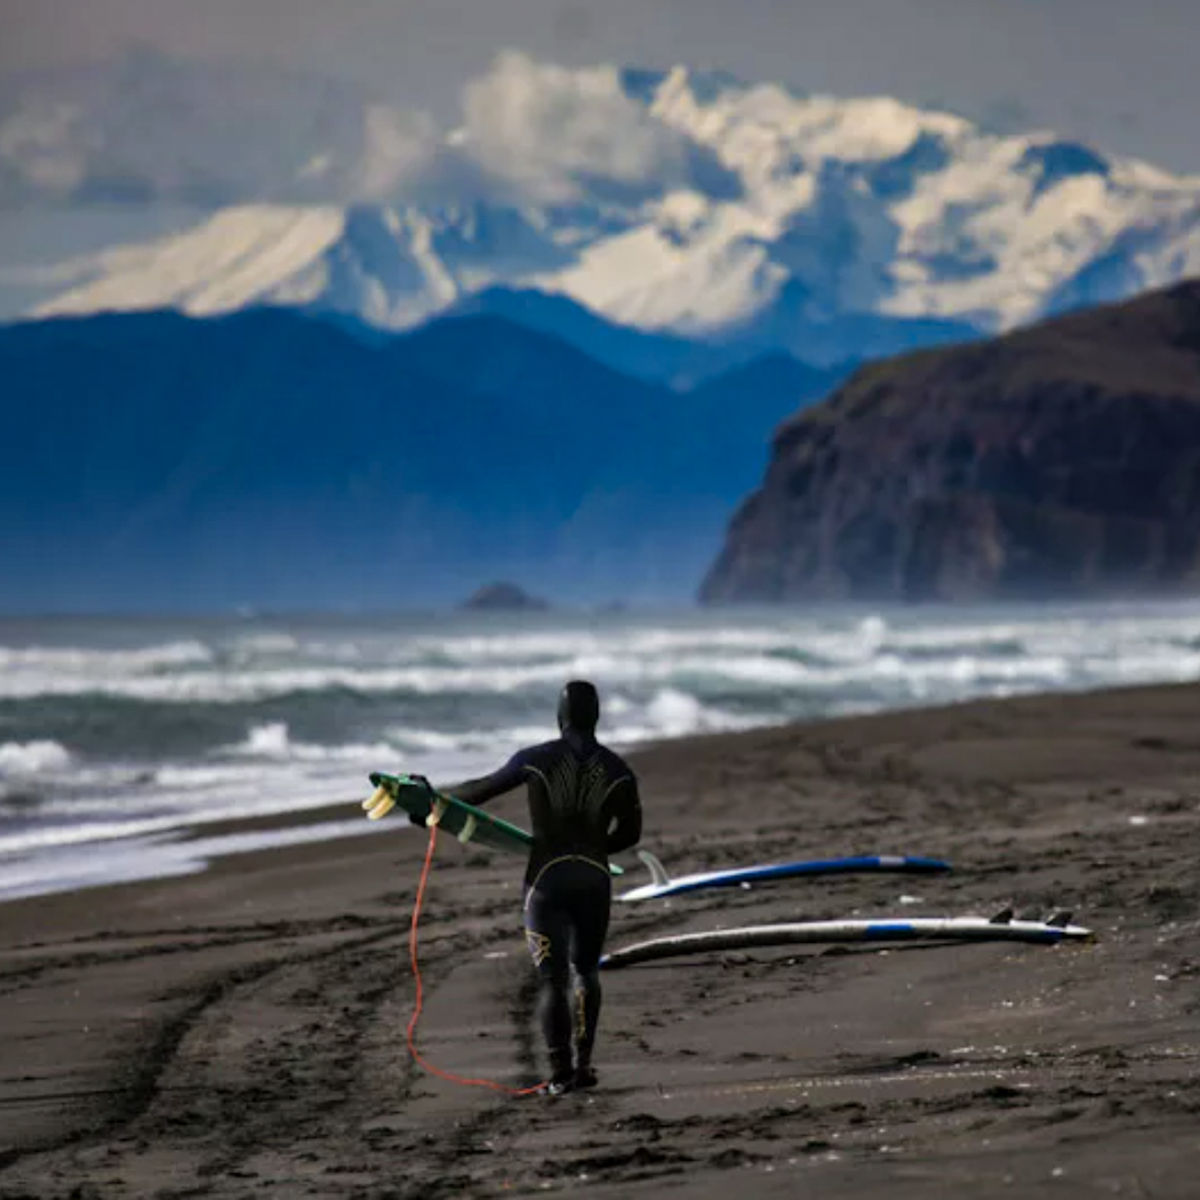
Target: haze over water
116, 734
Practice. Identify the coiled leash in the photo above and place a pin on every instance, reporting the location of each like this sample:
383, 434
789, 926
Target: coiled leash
373, 805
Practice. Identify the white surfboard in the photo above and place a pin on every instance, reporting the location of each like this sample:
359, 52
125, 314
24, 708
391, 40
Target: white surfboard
1002, 927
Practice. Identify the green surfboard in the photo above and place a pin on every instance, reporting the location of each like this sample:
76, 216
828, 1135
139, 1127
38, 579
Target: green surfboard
466, 822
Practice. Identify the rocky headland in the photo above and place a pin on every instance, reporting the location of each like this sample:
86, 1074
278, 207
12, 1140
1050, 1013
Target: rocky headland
1061, 460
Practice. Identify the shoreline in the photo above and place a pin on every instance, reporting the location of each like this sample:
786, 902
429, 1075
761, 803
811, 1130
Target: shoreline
115, 732
200, 842
184, 837
242, 1028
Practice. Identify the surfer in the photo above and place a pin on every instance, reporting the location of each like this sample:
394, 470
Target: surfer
583, 806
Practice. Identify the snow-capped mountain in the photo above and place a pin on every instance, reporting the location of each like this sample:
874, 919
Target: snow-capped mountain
393, 267
682, 202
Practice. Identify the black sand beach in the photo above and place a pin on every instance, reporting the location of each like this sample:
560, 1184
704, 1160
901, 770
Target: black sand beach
240, 1033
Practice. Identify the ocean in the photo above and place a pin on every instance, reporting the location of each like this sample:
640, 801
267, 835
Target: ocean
121, 739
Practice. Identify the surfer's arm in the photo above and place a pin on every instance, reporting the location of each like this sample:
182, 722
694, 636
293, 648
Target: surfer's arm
480, 791
625, 827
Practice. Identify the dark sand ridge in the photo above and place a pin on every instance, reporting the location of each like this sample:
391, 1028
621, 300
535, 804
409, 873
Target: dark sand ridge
240, 1033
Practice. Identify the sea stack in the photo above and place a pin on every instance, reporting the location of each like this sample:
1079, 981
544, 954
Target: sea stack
504, 597
1061, 460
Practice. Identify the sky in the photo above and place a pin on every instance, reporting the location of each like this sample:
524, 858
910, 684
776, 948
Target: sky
1123, 76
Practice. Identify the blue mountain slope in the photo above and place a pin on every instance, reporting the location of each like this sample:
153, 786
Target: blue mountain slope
658, 357
782, 328
152, 461
746, 404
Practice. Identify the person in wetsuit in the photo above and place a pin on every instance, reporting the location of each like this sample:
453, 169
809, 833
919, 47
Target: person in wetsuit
583, 806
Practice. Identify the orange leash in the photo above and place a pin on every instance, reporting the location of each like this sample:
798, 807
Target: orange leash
420, 1000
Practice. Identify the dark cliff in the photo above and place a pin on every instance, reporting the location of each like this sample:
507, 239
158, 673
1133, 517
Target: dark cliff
1061, 460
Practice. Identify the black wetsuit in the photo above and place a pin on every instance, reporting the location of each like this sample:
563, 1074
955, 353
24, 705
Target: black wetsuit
583, 806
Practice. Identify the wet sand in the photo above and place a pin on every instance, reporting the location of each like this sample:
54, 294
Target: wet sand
240, 1033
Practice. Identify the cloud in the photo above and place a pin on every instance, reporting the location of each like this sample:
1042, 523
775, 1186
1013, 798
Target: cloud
552, 132
533, 133
151, 128
400, 149
45, 147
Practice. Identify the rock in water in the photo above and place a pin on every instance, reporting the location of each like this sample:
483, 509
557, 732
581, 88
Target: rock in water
1060, 460
504, 597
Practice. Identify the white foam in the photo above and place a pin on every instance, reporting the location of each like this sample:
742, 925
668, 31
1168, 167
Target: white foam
129, 859
26, 759
246, 686
571, 645
273, 742
464, 702
93, 662
783, 654
268, 741
675, 712
199, 778
472, 740
431, 739
666, 712
872, 631
266, 643
260, 800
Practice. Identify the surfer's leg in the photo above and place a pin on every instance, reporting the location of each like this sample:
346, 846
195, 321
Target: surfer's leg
547, 931
588, 996
589, 928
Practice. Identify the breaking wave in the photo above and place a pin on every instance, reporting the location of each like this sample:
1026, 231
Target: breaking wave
32, 758
108, 730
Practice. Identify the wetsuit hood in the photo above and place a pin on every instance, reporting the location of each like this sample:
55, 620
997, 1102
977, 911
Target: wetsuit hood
578, 708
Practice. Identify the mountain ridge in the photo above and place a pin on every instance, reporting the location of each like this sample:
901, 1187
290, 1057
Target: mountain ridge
275, 459
750, 216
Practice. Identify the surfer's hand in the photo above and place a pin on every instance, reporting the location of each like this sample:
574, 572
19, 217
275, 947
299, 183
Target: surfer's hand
420, 820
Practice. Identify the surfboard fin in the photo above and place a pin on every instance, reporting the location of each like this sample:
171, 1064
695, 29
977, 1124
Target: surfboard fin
1003, 917
379, 804
658, 873
1060, 918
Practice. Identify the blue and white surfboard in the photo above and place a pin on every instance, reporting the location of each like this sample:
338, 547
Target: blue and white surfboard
1003, 927
663, 885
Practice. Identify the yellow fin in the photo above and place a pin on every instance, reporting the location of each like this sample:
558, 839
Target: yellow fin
382, 809
377, 797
